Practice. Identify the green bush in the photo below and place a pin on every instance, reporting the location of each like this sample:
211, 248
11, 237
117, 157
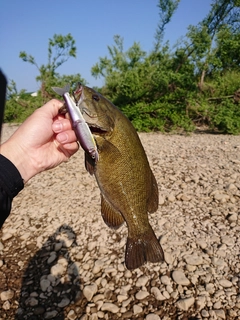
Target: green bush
158, 117
226, 117
17, 109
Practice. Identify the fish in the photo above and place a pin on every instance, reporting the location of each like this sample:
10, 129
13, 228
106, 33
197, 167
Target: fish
128, 188
79, 124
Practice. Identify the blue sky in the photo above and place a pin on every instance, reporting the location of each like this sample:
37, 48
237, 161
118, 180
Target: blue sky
26, 25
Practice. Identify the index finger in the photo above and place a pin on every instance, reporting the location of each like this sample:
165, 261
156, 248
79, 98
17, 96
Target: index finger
52, 107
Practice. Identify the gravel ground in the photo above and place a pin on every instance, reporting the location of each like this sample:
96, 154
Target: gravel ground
58, 260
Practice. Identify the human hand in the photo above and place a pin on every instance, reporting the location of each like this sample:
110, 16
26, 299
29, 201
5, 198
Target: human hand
42, 142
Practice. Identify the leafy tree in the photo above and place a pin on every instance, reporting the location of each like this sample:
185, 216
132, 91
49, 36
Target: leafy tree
21, 104
121, 71
60, 49
201, 46
167, 9
191, 84
228, 50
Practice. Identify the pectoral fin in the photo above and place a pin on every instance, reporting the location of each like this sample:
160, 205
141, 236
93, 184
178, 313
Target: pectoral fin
153, 197
108, 148
110, 215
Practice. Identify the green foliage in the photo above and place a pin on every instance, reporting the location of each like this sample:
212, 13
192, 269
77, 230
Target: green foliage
225, 84
195, 83
228, 49
16, 113
60, 49
158, 117
19, 105
226, 117
218, 104
167, 9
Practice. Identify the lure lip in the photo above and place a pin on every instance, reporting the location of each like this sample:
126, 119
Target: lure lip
81, 128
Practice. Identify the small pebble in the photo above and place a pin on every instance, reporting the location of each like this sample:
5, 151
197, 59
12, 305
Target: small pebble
89, 291
225, 283
137, 309
185, 304
157, 294
152, 316
44, 284
142, 281
140, 295
180, 278
220, 314
7, 295
193, 260
107, 306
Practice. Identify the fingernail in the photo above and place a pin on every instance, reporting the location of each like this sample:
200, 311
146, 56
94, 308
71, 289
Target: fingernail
62, 137
57, 126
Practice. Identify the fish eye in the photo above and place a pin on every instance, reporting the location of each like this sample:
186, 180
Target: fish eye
95, 97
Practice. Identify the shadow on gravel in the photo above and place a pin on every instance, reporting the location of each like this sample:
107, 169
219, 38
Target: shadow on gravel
51, 281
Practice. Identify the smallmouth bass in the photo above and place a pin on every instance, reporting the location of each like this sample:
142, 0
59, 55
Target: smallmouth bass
128, 187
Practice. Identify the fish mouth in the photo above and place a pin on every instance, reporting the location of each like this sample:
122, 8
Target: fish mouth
96, 130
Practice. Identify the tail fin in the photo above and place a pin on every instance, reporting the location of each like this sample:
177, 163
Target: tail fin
141, 249
61, 91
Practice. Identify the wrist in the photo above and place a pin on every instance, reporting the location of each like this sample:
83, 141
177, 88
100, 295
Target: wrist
20, 160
